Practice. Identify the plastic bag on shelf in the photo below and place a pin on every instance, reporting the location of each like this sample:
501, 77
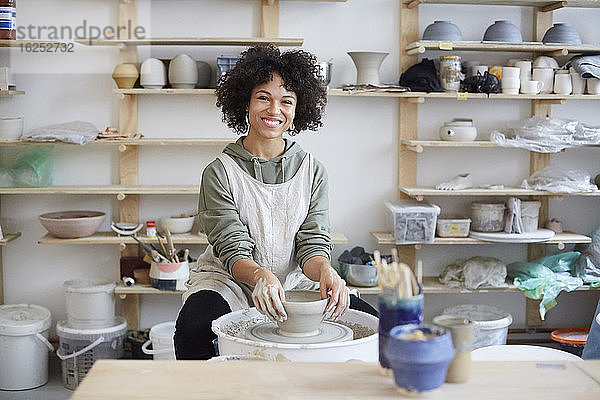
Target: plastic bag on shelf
546, 277
546, 135
474, 273
78, 132
588, 265
560, 180
31, 168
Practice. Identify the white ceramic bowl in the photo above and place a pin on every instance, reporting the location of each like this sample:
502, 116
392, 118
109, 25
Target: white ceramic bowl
545, 62
183, 72
11, 129
177, 224
72, 224
305, 310
153, 74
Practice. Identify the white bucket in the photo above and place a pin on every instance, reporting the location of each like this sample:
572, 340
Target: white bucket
90, 303
530, 213
491, 323
161, 338
24, 346
80, 348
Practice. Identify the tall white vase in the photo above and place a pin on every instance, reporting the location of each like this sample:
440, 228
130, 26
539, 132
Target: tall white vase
367, 66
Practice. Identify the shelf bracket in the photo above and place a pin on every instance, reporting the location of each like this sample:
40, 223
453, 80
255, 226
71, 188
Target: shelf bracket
417, 149
419, 197
553, 101
122, 148
121, 196
122, 246
122, 296
553, 6
558, 53
560, 245
415, 50
417, 247
415, 3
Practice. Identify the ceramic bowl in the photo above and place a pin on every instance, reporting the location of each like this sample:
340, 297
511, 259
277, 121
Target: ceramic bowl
419, 356
177, 224
183, 72
125, 75
11, 129
305, 310
153, 74
442, 31
562, 33
72, 224
358, 274
204, 74
545, 62
503, 31
458, 130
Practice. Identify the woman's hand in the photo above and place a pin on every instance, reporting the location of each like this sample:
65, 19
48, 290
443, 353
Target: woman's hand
319, 269
268, 295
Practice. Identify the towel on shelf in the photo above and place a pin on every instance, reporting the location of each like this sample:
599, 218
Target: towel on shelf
586, 66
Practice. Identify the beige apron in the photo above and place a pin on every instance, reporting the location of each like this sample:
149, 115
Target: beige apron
273, 214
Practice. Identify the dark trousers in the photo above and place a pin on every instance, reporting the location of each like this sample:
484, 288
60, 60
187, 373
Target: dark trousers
193, 335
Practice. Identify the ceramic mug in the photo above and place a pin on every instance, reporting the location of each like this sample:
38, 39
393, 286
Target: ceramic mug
531, 87
525, 67
578, 83
510, 85
545, 75
510, 72
593, 85
562, 84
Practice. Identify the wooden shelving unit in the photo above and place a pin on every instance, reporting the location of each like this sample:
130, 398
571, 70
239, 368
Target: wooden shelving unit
19, 43
544, 5
131, 142
108, 189
419, 192
422, 46
9, 238
192, 41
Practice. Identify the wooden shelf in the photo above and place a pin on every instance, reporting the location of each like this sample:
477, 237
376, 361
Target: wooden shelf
123, 290
419, 192
9, 238
191, 41
419, 145
131, 142
138, 91
18, 43
386, 238
529, 3
109, 189
533, 47
11, 92
183, 238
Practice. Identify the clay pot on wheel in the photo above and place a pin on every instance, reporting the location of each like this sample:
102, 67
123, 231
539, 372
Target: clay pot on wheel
125, 75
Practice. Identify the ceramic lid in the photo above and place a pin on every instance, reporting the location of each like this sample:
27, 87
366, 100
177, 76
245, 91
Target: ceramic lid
23, 319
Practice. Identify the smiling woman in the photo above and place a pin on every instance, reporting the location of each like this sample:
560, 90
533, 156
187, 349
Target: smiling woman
263, 203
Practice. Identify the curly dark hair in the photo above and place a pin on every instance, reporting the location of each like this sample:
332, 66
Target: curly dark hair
255, 67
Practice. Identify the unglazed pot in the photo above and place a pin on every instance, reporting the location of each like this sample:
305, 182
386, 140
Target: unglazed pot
125, 75
305, 310
458, 130
367, 66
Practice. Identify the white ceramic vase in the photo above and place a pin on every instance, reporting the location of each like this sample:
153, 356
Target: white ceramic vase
367, 66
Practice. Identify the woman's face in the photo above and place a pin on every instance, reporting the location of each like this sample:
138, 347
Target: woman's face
271, 110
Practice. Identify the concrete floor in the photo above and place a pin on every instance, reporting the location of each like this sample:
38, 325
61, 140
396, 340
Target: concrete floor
53, 390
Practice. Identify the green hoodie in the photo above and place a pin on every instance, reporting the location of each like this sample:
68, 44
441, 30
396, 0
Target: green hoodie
220, 219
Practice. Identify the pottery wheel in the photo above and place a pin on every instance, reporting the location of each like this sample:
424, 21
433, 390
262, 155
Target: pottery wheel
329, 332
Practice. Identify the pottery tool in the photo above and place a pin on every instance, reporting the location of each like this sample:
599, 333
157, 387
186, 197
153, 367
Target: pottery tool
172, 256
186, 254
162, 246
150, 250
396, 276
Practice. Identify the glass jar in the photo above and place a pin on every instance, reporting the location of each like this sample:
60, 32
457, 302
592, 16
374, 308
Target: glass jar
450, 73
8, 19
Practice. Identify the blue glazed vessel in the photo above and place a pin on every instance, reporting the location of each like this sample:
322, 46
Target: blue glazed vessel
442, 30
393, 312
419, 365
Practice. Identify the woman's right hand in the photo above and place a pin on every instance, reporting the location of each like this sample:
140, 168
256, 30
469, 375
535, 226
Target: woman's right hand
268, 295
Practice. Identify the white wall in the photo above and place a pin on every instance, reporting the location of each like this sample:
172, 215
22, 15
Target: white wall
358, 143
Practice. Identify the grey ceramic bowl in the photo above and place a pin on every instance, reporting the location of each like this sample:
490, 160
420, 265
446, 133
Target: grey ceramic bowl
562, 33
305, 310
442, 30
359, 275
503, 31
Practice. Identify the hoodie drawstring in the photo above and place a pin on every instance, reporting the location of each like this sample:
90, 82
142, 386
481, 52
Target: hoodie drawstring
283, 169
257, 170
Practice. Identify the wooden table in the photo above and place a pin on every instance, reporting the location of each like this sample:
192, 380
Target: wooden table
249, 380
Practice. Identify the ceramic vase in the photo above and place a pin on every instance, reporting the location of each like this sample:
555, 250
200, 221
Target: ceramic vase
183, 72
419, 365
153, 74
367, 66
393, 312
461, 329
125, 75
204, 74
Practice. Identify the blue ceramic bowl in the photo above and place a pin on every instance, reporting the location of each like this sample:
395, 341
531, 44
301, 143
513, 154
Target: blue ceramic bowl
503, 31
442, 31
562, 33
419, 365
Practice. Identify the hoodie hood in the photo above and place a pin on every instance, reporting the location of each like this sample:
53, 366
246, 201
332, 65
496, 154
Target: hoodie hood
278, 170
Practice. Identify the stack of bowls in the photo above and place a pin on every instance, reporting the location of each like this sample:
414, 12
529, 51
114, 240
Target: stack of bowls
562, 33
503, 31
153, 74
183, 72
442, 31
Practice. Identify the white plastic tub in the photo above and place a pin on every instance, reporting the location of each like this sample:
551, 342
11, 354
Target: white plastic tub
365, 349
452, 226
530, 213
161, 338
80, 348
24, 346
90, 303
491, 323
487, 217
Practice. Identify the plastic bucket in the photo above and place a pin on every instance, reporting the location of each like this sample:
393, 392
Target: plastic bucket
24, 346
161, 338
530, 213
80, 348
491, 323
90, 303
487, 217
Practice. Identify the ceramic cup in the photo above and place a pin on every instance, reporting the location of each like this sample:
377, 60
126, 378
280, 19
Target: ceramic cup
562, 83
510, 72
393, 312
578, 83
510, 85
545, 75
593, 85
461, 330
531, 87
525, 67
480, 70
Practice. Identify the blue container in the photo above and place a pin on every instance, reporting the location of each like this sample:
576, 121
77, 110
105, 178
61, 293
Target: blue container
394, 312
419, 365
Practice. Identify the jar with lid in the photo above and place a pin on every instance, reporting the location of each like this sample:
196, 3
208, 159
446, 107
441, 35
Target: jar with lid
8, 19
450, 73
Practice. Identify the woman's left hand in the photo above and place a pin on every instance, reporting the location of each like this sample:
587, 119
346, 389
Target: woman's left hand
339, 302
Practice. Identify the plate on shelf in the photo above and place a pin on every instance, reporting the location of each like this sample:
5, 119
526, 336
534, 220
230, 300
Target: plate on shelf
528, 237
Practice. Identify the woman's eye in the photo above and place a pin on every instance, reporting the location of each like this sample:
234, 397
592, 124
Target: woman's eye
263, 98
